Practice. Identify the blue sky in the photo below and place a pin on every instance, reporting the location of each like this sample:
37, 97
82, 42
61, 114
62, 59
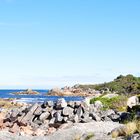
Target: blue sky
48, 43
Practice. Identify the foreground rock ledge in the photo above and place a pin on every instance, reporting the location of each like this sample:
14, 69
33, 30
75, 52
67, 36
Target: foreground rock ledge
78, 131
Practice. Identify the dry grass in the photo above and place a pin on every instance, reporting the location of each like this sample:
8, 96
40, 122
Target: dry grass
127, 130
131, 128
7, 104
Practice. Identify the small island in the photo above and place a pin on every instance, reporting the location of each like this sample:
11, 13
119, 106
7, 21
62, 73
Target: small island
27, 92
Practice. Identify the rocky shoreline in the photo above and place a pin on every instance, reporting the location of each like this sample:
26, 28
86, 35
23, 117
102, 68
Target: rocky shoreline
73, 120
73, 91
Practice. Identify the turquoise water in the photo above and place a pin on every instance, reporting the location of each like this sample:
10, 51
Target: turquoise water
35, 98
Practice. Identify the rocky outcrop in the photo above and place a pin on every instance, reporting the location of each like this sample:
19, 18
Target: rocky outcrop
72, 91
27, 92
80, 131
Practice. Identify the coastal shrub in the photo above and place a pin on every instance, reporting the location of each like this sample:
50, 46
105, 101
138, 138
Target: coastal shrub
119, 103
122, 85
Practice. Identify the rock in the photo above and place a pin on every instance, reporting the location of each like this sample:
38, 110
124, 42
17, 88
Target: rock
29, 116
14, 113
77, 104
108, 113
58, 117
109, 96
27, 92
106, 119
98, 105
99, 129
7, 124
125, 117
133, 101
38, 111
26, 130
76, 119
14, 129
67, 111
50, 103
55, 92
71, 104
52, 121
39, 132
65, 119
44, 116
86, 101
135, 137
51, 130
61, 103
86, 118
80, 112
95, 116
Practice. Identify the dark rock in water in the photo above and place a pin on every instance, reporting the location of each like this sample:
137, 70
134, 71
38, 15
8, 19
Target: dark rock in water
67, 111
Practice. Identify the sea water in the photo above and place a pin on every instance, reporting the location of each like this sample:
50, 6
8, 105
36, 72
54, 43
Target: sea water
35, 98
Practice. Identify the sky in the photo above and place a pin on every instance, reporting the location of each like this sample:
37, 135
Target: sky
54, 43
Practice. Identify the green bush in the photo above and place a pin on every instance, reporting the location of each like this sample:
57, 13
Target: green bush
122, 84
119, 103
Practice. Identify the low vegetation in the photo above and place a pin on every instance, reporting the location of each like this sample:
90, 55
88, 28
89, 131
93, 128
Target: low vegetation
119, 103
122, 84
128, 130
7, 104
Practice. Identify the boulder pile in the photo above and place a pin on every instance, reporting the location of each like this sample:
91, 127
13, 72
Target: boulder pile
46, 118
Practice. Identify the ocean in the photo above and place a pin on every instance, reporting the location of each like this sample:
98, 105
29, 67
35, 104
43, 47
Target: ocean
5, 94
